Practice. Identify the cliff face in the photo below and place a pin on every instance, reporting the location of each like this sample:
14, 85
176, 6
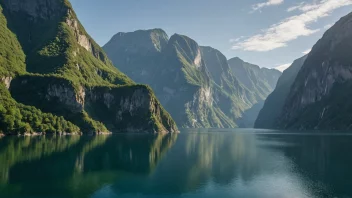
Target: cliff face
319, 97
176, 70
274, 103
79, 78
140, 50
184, 86
261, 81
194, 83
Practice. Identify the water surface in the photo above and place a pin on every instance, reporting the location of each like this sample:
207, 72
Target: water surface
193, 164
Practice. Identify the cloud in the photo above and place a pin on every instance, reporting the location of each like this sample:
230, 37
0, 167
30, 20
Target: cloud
283, 67
293, 8
328, 26
236, 39
278, 35
268, 3
307, 51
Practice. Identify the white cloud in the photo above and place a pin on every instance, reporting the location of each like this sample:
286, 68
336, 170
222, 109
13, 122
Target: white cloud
283, 67
328, 26
268, 3
293, 8
278, 35
236, 39
307, 51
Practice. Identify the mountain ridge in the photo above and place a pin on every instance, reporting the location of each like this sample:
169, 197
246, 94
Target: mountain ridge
75, 69
186, 78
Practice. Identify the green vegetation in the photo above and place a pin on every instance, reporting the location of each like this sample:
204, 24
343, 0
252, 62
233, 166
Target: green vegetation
260, 81
18, 118
11, 55
58, 64
194, 83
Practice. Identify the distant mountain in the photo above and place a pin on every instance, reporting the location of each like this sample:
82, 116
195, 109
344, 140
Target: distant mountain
261, 81
282, 68
194, 83
275, 101
320, 97
176, 71
56, 79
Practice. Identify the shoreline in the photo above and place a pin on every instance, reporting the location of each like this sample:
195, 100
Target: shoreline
79, 134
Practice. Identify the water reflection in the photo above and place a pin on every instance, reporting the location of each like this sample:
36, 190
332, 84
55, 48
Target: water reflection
75, 166
218, 164
191, 164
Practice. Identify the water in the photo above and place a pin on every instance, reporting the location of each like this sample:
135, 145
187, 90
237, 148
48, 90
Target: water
193, 164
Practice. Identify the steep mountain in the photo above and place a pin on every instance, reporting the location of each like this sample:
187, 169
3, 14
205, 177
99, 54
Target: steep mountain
320, 96
49, 62
137, 53
182, 77
233, 97
276, 100
260, 81
194, 83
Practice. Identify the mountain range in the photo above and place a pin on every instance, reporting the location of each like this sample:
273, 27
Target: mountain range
196, 84
56, 79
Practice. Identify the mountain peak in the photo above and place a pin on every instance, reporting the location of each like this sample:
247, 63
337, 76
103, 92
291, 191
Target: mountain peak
43, 9
145, 41
237, 62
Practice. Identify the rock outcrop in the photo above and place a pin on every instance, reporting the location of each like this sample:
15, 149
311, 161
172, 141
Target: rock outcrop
73, 77
176, 71
272, 108
320, 95
194, 83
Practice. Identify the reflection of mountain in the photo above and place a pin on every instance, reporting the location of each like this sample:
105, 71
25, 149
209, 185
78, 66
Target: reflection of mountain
75, 166
196, 164
219, 165
196, 159
324, 158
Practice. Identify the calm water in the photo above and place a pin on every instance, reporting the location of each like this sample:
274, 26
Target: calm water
200, 164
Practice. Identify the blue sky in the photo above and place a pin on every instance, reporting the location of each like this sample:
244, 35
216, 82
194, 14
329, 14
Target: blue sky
268, 33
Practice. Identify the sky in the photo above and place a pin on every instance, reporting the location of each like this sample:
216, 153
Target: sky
269, 33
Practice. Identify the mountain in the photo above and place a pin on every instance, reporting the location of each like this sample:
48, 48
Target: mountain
50, 64
283, 67
260, 81
194, 83
276, 100
175, 69
320, 95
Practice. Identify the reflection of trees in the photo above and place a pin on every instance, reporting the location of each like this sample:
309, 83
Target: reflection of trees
75, 165
21, 149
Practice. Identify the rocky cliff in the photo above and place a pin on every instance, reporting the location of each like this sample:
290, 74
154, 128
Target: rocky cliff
194, 83
320, 95
262, 81
58, 68
259, 81
176, 71
274, 103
